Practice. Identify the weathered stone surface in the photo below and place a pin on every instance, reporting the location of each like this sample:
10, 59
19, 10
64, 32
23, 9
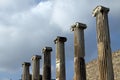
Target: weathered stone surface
100, 9
92, 67
60, 58
47, 63
103, 38
26, 72
79, 51
36, 67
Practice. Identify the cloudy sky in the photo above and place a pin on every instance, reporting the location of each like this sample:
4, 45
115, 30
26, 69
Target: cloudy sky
26, 26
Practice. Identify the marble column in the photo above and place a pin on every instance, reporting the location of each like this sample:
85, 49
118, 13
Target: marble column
26, 72
79, 51
47, 63
103, 43
36, 67
60, 58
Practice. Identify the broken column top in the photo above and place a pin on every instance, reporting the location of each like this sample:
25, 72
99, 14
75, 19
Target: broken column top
26, 63
36, 57
60, 39
99, 9
47, 49
78, 25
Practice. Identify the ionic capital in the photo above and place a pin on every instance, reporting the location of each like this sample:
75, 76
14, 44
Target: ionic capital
47, 49
60, 39
36, 57
26, 64
78, 25
99, 9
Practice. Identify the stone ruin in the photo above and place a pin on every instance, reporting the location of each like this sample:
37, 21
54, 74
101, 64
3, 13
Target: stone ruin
92, 71
104, 61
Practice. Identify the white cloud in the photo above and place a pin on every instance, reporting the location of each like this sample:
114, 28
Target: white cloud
13, 6
22, 34
43, 9
65, 13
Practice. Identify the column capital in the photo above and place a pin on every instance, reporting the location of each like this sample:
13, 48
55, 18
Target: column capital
78, 25
60, 39
26, 64
36, 57
99, 9
47, 49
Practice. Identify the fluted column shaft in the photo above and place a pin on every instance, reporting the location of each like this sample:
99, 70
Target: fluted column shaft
47, 63
60, 58
36, 67
103, 39
26, 72
79, 51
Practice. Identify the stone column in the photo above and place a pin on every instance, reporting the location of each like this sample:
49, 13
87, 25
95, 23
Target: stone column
26, 72
36, 67
47, 63
103, 38
79, 51
60, 58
